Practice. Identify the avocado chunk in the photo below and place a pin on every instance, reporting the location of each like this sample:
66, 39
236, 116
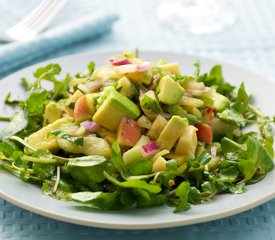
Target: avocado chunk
157, 127
106, 73
125, 87
172, 132
188, 142
113, 109
170, 92
220, 102
149, 101
172, 67
134, 153
52, 113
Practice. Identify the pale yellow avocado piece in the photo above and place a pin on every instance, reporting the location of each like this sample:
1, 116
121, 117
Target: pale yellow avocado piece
172, 132
188, 142
170, 91
41, 140
159, 165
157, 127
113, 109
134, 153
172, 67
106, 73
52, 113
124, 86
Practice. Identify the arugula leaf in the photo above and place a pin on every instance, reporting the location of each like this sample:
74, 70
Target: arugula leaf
18, 123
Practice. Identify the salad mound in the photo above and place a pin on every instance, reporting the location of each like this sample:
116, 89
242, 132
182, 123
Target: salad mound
136, 133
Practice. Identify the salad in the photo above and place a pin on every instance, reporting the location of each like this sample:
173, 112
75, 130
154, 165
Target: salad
136, 133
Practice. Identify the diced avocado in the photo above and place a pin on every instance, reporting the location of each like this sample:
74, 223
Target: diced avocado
159, 165
125, 87
140, 77
150, 102
41, 140
188, 142
172, 132
171, 67
220, 102
221, 128
144, 122
176, 110
91, 146
134, 154
170, 92
52, 113
113, 109
106, 73
157, 127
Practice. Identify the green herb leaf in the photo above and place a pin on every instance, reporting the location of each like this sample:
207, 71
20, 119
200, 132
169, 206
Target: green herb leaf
182, 193
18, 123
233, 117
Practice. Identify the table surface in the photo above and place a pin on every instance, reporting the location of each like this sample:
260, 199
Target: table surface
249, 43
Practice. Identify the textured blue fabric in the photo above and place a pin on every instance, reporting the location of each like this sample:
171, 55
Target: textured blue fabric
19, 54
250, 43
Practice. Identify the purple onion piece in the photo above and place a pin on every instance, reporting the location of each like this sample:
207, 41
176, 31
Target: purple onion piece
150, 149
90, 126
119, 62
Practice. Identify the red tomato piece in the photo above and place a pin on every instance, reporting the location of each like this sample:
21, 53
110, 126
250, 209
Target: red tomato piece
204, 133
128, 132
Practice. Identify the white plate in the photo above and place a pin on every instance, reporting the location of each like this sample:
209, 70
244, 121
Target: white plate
29, 196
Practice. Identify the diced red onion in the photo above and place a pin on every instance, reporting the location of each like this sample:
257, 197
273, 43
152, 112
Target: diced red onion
94, 86
213, 151
150, 149
154, 82
119, 62
90, 126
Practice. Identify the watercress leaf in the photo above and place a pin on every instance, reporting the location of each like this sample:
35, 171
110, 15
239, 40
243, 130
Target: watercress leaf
141, 167
233, 117
48, 72
194, 196
247, 168
229, 174
258, 154
7, 148
232, 150
87, 161
36, 102
242, 95
18, 123
61, 88
209, 187
204, 158
117, 156
101, 200
171, 164
91, 67
134, 183
127, 198
43, 170
182, 193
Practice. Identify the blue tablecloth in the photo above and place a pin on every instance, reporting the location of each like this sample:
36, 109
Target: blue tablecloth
249, 43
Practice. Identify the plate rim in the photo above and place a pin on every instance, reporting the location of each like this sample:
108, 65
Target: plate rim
131, 226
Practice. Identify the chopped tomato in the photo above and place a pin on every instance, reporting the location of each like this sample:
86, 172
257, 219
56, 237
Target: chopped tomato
128, 132
204, 133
